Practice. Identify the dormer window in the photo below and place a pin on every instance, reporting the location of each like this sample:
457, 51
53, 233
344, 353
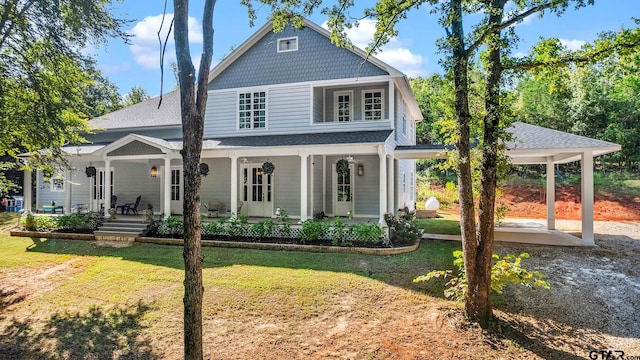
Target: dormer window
288, 44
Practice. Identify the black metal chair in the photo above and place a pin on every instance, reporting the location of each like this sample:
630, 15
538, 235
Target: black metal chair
133, 207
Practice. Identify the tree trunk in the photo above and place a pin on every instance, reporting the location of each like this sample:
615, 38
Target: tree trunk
192, 111
465, 182
478, 305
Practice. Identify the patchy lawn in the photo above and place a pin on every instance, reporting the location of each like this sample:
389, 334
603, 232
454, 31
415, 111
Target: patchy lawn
77, 299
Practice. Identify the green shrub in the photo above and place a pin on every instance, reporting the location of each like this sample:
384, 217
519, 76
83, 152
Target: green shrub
33, 222
507, 269
313, 230
215, 227
263, 229
175, 225
284, 223
339, 232
74, 222
402, 227
237, 225
368, 232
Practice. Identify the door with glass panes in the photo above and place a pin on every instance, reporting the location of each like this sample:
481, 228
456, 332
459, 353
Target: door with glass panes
257, 191
177, 189
343, 192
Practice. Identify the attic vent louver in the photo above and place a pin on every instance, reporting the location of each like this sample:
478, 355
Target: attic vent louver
288, 44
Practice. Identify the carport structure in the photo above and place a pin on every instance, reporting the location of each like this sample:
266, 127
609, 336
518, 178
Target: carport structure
533, 144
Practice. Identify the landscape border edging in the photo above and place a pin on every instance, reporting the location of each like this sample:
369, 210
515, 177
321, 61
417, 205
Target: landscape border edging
287, 247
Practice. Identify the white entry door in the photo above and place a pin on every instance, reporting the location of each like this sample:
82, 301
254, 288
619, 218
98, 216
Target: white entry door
177, 189
257, 189
342, 192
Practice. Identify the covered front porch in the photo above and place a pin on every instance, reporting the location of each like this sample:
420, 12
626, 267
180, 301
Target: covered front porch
304, 181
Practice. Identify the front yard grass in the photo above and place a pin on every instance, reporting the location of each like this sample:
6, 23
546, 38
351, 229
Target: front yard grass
444, 224
74, 299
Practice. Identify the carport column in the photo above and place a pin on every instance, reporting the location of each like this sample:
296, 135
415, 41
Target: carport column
383, 182
107, 185
303, 186
67, 193
167, 187
26, 187
390, 185
234, 183
551, 194
587, 198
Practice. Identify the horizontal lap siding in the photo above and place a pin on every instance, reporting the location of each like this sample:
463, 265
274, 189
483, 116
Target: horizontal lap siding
288, 109
287, 184
367, 187
132, 179
221, 115
217, 185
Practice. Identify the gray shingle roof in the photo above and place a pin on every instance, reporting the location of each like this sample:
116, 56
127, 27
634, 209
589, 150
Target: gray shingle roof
144, 114
531, 137
356, 137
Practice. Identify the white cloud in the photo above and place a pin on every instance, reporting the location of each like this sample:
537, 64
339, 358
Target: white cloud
572, 44
394, 53
145, 46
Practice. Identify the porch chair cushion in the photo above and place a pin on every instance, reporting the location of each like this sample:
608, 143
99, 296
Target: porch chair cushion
213, 207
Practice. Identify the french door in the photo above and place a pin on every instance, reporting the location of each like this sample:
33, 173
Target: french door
177, 189
97, 189
343, 187
257, 191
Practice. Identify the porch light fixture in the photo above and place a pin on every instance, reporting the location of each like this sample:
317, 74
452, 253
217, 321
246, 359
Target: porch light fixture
154, 171
360, 169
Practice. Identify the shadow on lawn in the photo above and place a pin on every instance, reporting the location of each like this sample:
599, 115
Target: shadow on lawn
96, 334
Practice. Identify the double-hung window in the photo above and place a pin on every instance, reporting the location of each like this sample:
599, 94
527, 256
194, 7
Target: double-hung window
252, 110
372, 105
57, 183
344, 106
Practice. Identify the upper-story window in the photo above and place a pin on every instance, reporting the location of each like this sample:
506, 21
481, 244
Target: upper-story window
252, 110
344, 106
372, 105
288, 44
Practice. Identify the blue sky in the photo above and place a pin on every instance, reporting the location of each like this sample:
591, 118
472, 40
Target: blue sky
414, 51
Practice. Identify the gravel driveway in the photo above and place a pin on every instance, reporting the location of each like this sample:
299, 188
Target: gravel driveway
594, 302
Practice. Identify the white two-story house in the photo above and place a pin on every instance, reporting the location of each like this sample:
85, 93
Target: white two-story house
292, 99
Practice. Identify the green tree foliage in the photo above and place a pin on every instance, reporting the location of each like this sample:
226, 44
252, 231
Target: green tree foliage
48, 87
504, 271
137, 94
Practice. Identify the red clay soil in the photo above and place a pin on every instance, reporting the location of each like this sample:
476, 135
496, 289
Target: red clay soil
528, 201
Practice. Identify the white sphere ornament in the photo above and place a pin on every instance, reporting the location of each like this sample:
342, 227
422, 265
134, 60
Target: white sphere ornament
432, 204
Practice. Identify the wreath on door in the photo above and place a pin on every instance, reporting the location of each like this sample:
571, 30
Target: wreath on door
267, 168
342, 167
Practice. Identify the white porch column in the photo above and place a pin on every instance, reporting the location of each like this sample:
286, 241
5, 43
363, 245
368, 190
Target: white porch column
587, 198
234, 183
107, 185
311, 181
324, 183
551, 194
26, 187
304, 183
390, 185
67, 192
383, 181
167, 187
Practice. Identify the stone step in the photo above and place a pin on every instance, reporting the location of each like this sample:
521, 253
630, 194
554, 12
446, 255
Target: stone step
125, 225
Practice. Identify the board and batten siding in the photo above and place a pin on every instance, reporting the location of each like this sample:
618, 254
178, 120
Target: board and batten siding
367, 187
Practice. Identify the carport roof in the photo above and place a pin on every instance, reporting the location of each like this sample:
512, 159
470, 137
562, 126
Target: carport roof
531, 144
